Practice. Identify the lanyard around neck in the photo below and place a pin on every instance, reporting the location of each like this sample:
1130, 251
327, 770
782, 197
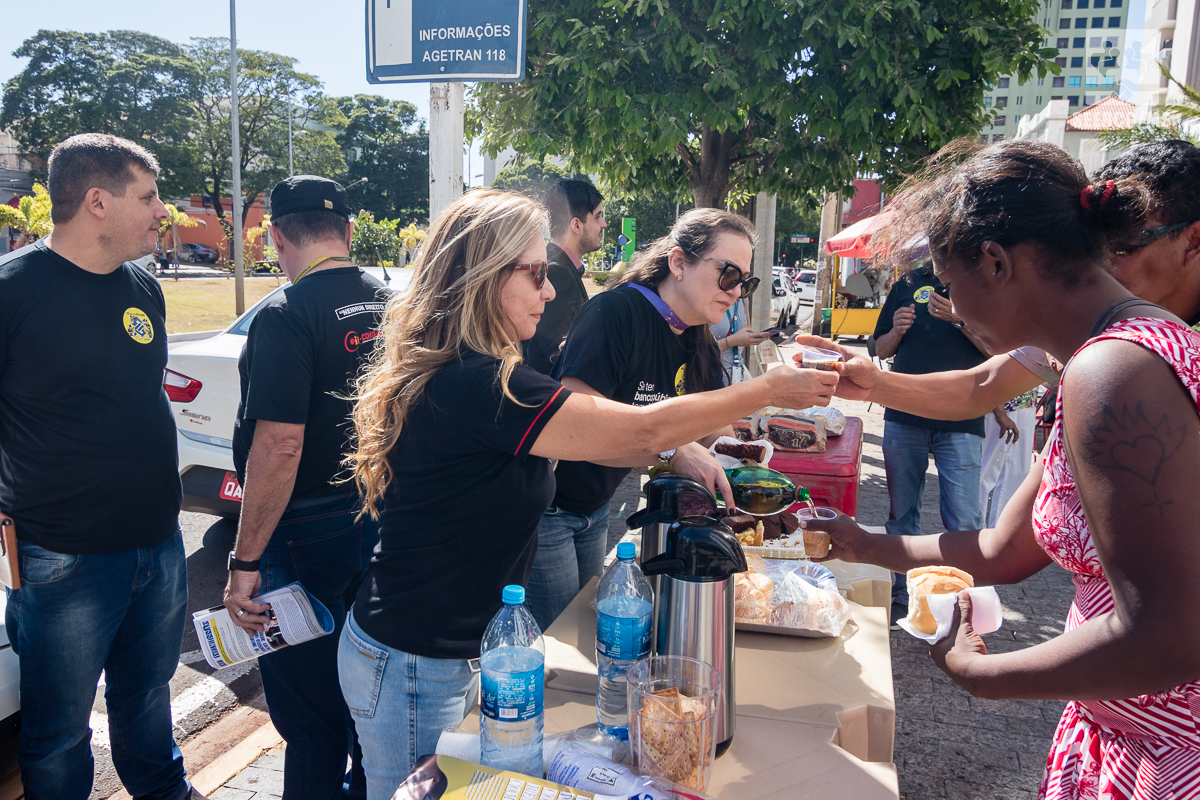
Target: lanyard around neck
320, 260
661, 306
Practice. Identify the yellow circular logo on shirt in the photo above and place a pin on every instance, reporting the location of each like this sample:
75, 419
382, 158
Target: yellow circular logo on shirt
922, 294
681, 380
138, 326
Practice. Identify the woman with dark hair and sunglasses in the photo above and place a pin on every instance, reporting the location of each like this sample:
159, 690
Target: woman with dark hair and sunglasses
1019, 236
643, 340
455, 438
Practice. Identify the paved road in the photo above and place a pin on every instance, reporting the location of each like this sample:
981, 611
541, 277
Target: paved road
199, 695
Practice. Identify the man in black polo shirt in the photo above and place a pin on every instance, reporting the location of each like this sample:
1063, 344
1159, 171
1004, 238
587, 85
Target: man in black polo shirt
576, 229
924, 342
89, 474
293, 429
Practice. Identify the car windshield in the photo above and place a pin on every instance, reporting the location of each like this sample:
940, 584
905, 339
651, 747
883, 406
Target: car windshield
807, 277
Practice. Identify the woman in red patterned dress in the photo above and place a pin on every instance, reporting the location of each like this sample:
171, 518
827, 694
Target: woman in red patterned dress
1020, 237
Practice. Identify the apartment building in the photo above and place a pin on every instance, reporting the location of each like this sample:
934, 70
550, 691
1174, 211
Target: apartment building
1090, 38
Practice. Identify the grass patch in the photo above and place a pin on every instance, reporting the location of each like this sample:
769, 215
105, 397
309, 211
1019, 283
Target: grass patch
206, 304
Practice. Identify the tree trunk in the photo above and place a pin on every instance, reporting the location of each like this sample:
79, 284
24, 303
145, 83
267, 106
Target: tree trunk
708, 175
247, 201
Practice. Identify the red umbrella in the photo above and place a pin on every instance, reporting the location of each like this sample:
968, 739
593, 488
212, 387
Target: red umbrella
854, 242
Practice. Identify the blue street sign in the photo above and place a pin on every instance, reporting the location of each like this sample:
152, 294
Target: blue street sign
450, 40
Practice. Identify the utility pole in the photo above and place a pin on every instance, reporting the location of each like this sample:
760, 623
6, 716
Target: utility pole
239, 284
831, 217
764, 261
291, 164
445, 146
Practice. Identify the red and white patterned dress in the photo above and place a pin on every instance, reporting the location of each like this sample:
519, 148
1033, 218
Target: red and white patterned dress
1143, 748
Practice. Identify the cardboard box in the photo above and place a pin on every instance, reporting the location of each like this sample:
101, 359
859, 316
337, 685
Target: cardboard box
843, 684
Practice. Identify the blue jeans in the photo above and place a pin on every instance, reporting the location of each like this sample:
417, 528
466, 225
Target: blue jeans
74, 616
401, 703
957, 456
570, 553
325, 549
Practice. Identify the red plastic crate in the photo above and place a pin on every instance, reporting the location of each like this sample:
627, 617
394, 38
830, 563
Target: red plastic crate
830, 477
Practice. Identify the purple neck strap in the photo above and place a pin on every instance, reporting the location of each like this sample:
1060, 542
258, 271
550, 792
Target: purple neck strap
661, 306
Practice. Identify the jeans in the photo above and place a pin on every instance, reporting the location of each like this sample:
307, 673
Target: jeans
570, 553
401, 703
327, 551
957, 456
74, 616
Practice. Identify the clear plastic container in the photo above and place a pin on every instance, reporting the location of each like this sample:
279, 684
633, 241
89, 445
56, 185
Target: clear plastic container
512, 688
624, 605
818, 357
673, 705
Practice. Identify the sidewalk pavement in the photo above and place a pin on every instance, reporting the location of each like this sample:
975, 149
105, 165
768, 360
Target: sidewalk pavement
948, 744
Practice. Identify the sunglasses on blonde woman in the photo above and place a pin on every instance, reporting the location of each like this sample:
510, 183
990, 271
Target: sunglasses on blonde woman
538, 268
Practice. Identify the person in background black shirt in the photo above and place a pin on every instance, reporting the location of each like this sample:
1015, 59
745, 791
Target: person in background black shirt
623, 346
455, 437
89, 473
917, 326
302, 354
576, 229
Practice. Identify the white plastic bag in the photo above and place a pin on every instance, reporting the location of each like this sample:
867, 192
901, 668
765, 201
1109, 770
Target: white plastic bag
796, 603
835, 420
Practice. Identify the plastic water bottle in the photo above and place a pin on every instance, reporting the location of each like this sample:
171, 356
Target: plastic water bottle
512, 688
624, 604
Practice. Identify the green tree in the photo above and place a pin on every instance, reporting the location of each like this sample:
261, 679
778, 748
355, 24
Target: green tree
655, 214
785, 96
31, 218
125, 83
531, 178
269, 87
795, 218
387, 145
373, 241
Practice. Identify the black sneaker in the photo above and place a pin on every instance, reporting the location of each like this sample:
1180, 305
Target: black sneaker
899, 612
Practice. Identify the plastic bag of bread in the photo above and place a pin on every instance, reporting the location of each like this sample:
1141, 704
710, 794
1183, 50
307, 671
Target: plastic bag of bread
835, 420
752, 592
796, 603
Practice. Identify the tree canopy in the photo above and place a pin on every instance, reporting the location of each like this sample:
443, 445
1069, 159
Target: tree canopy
530, 178
387, 145
125, 83
794, 97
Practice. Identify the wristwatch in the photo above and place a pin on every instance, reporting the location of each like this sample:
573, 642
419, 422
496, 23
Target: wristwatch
665, 456
242, 566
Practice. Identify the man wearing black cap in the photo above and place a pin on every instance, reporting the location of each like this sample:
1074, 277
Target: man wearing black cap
299, 522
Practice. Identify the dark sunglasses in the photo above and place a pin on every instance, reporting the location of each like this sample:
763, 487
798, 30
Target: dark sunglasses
731, 275
1146, 237
538, 268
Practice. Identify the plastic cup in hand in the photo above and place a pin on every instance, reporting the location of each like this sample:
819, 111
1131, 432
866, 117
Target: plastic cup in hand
816, 543
818, 357
673, 705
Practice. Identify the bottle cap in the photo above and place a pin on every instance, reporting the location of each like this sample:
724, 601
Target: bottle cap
513, 595
626, 550
801, 494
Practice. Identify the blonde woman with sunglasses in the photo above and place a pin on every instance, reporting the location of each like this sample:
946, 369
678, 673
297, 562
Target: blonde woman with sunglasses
455, 437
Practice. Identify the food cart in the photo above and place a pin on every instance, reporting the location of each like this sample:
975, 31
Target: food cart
854, 242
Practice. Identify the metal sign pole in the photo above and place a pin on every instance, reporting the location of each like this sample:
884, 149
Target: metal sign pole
239, 287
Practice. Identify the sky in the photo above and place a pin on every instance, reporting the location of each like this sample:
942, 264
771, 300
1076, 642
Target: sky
328, 37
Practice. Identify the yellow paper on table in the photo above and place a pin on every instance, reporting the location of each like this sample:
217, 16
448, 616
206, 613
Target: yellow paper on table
445, 778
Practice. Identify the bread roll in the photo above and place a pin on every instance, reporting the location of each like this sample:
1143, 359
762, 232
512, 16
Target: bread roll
924, 581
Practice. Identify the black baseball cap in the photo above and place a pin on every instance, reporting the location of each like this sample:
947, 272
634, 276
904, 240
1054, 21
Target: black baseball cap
308, 193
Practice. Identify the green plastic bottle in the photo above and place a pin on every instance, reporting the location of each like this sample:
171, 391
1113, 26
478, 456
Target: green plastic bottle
761, 491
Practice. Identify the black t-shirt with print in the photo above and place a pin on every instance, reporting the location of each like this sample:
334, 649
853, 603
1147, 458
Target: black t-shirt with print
930, 345
621, 347
303, 350
460, 516
88, 457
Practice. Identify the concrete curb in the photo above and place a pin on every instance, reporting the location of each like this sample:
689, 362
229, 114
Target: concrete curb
245, 753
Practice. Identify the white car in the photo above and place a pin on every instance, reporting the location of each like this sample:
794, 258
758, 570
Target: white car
204, 387
785, 302
806, 286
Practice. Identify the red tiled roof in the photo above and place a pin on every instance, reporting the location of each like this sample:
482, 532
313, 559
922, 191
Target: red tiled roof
1110, 114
